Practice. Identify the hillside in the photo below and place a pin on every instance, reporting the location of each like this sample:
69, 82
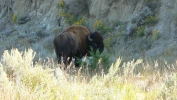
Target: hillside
132, 29
139, 37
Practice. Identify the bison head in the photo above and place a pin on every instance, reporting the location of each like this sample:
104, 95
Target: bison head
95, 41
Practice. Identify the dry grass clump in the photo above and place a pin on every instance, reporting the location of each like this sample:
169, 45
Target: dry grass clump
22, 79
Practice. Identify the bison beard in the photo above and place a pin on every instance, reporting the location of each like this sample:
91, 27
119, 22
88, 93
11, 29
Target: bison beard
76, 41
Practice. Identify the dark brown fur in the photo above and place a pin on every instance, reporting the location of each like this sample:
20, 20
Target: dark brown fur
73, 42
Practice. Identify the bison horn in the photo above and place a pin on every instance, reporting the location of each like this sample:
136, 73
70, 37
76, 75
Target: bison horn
89, 38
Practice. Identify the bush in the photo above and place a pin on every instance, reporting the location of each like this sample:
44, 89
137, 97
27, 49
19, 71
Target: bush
14, 18
140, 31
96, 61
61, 4
99, 26
80, 22
70, 18
22, 79
108, 41
156, 34
152, 20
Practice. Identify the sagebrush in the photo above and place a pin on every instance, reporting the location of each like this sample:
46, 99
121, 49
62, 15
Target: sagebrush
21, 78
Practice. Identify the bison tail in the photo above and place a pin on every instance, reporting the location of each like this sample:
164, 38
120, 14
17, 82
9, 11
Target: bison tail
58, 51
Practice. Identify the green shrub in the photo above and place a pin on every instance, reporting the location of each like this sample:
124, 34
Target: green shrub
99, 26
95, 61
71, 19
156, 34
117, 23
108, 40
14, 18
61, 4
140, 31
80, 22
99, 60
152, 20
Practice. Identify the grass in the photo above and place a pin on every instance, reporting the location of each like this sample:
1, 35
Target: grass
21, 78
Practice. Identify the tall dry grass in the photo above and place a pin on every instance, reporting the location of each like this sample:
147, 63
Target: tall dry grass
23, 79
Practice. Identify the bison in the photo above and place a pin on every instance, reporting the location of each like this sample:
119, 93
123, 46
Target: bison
76, 41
